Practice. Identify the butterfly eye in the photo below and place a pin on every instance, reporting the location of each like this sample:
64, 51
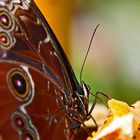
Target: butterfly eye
5, 41
28, 135
5, 20
19, 84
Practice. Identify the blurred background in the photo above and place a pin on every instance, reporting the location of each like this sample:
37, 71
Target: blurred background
113, 63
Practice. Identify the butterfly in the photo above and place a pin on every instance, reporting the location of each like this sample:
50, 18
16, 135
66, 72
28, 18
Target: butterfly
40, 97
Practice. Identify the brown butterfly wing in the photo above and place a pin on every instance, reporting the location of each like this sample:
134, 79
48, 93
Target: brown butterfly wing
6, 101
30, 39
36, 77
39, 110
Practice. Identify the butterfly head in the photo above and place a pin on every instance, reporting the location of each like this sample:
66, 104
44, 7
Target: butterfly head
86, 89
83, 96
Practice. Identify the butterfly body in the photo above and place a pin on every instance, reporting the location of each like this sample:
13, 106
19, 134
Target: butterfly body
40, 97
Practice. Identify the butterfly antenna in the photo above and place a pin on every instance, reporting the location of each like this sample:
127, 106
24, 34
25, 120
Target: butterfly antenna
87, 52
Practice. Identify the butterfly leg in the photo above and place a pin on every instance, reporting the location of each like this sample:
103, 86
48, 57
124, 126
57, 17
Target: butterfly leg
97, 96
